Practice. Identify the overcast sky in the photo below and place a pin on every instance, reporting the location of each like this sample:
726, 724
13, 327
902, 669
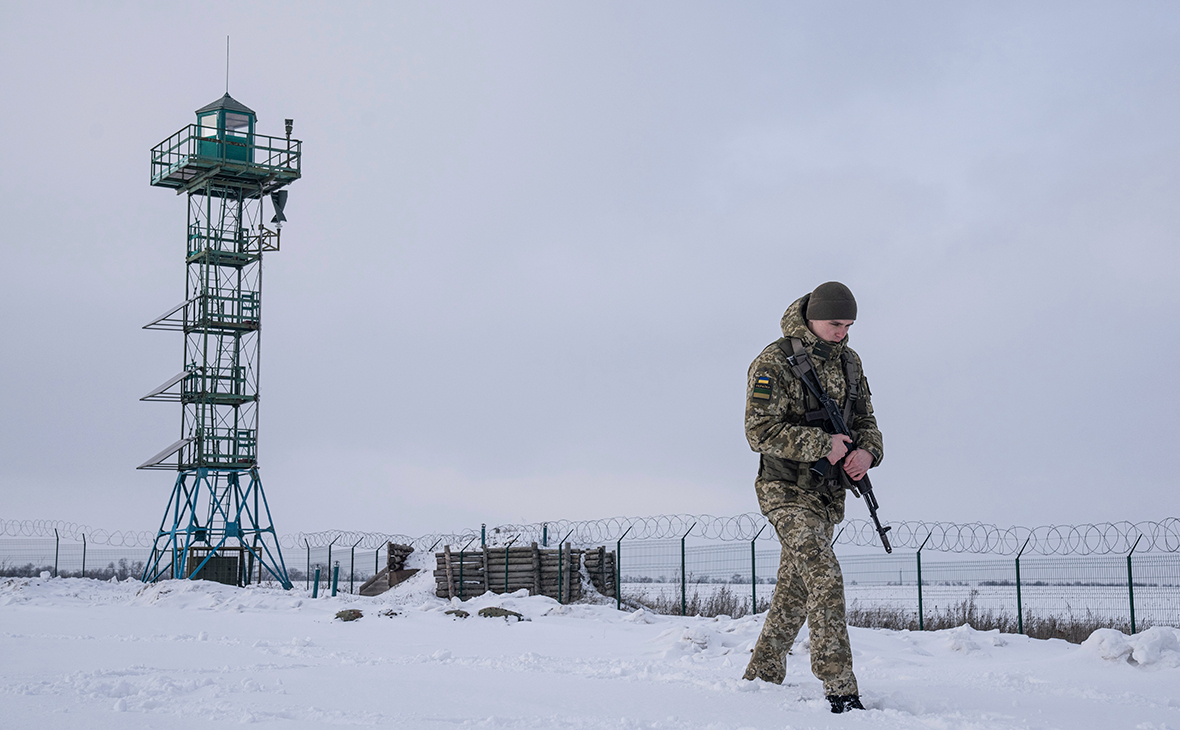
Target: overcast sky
536, 247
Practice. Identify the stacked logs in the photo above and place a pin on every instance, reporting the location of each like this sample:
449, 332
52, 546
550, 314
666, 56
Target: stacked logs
396, 556
600, 565
463, 571
393, 573
555, 573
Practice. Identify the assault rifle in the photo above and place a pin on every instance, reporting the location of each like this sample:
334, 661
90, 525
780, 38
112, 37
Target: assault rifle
861, 488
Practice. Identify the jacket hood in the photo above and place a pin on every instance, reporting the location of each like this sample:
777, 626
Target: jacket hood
794, 324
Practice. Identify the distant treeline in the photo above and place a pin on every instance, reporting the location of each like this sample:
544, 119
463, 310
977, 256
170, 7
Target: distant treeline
122, 570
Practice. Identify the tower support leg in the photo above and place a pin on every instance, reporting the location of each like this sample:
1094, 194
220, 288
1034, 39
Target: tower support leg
216, 514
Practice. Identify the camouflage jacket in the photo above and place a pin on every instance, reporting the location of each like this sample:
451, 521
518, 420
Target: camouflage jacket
776, 423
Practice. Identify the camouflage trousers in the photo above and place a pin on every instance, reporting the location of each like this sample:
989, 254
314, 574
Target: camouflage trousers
810, 587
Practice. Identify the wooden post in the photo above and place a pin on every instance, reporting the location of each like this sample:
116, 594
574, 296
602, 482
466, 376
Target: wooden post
388, 564
601, 567
450, 574
487, 578
536, 570
565, 588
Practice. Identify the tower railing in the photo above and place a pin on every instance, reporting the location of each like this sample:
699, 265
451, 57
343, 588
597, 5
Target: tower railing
186, 156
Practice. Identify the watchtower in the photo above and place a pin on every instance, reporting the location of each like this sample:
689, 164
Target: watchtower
217, 525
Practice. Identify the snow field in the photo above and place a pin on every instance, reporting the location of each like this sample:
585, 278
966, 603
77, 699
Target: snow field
84, 654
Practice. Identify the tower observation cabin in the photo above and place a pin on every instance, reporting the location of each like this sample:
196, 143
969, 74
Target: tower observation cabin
217, 524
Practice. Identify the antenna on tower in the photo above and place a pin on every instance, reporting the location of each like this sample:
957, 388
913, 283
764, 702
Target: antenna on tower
227, 64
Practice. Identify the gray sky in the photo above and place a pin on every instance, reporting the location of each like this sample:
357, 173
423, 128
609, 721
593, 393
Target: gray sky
536, 247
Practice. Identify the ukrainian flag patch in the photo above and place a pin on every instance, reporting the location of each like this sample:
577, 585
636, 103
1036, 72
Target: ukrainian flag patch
762, 388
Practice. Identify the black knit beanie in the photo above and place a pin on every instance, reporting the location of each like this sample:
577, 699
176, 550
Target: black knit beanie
832, 300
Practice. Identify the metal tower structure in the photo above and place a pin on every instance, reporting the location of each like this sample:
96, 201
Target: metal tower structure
217, 525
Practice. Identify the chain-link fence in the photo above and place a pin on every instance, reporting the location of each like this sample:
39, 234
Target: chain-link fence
345, 567
1018, 579
1053, 593
32, 556
1129, 593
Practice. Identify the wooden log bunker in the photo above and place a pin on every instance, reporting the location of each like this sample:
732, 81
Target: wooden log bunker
553, 572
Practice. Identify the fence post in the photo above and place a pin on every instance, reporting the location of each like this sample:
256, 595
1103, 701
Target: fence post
307, 575
330, 548
505, 562
921, 624
315, 589
56, 548
619, 570
335, 577
560, 565
545, 534
683, 576
483, 535
1130, 583
83, 554
753, 575
1019, 605
449, 571
461, 556
352, 566
462, 587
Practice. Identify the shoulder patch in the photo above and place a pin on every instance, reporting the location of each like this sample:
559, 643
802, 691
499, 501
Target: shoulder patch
762, 388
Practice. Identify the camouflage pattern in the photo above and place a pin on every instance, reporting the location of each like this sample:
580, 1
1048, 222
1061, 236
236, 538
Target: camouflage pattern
776, 427
810, 586
802, 509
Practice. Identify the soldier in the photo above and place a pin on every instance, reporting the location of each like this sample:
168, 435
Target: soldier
786, 426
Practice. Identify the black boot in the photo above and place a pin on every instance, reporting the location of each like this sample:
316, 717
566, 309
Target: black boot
844, 703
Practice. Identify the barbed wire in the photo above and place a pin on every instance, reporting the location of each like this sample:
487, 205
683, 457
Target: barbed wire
976, 538
1104, 538
75, 532
373, 540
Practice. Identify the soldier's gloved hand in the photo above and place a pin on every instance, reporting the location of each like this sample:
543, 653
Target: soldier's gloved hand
839, 447
857, 464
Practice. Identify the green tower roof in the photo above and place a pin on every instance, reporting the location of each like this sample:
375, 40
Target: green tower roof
229, 103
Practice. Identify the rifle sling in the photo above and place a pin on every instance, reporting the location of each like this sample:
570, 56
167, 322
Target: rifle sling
801, 366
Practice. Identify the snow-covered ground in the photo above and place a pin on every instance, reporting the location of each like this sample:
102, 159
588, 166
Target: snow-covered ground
84, 654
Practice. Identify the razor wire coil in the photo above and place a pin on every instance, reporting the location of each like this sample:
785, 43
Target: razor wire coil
1104, 538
